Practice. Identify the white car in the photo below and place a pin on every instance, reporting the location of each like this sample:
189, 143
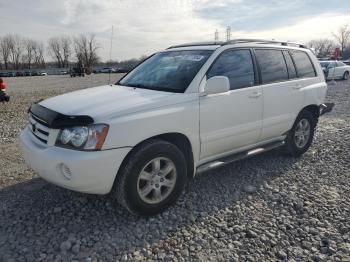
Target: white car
335, 70
182, 111
107, 70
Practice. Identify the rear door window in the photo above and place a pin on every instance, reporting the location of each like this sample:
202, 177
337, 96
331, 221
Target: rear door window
303, 64
272, 65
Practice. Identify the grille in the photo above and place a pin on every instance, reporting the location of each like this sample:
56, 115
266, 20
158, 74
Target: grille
40, 131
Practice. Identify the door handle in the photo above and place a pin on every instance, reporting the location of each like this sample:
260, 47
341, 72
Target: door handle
255, 95
297, 86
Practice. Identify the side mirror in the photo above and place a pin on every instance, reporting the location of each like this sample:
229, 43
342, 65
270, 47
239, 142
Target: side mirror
216, 85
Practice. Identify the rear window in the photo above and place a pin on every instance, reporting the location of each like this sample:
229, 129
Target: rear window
272, 65
303, 64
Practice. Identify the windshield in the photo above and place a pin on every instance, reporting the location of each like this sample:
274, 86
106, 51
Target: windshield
325, 64
170, 71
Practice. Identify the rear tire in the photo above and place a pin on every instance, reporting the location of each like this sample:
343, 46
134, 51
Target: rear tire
151, 179
346, 75
300, 137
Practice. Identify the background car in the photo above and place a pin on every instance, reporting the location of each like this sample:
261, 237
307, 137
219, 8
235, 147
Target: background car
96, 70
335, 70
347, 62
10, 74
107, 70
122, 70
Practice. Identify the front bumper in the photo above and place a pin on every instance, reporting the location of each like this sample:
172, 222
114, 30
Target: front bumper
88, 172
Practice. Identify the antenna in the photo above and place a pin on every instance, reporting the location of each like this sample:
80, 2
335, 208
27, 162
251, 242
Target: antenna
110, 56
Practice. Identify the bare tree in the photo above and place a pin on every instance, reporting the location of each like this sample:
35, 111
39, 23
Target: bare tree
342, 36
54, 50
323, 47
1, 59
29, 47
16, 50
59, 48
86, 50
65, 43
39, 55
5, 46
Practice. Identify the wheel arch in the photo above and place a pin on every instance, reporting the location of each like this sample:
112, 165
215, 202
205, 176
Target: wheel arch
178, 139
313, 109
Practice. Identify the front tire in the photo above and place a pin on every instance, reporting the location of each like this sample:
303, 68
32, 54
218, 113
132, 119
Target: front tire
300, 137
151, 179
346, 75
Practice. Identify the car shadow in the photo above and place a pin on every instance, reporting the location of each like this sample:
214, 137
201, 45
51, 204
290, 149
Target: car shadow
37, 217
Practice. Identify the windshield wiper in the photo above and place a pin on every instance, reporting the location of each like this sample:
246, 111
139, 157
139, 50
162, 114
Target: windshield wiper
156, 88
136, 86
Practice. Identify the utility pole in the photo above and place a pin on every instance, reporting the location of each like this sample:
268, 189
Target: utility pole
216, 36
228, 33
110, 54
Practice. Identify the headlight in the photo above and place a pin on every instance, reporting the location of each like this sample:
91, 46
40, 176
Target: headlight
83, 137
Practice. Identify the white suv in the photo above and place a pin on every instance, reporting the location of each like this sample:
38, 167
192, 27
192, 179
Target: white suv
182, 111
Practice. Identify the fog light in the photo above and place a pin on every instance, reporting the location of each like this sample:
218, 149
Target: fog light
65, 171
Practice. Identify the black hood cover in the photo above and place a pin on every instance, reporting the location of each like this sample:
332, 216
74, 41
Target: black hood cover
54, 119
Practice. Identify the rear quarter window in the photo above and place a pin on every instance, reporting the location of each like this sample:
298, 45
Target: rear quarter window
303, 64
290, 65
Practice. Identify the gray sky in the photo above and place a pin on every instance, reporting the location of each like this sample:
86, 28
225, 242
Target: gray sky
145, 26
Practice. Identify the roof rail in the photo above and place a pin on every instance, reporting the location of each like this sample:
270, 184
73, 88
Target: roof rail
219, 43
240, 40
264, 41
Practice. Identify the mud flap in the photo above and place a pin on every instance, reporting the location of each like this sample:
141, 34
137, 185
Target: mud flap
326, 108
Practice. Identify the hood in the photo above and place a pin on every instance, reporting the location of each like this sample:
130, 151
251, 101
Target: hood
102, 101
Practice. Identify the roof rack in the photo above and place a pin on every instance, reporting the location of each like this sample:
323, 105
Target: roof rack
220, 43
238, 41
264, 41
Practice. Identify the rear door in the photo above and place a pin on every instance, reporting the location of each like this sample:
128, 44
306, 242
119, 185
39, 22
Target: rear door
233, 119
282, 91
286, 77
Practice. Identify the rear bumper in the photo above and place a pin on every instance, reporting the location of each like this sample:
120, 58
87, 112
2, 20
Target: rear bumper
88, 172
326, 108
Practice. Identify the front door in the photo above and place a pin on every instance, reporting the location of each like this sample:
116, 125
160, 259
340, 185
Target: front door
233, 119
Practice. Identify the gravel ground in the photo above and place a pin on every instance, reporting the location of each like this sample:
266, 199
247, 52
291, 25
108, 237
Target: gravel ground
265, 208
